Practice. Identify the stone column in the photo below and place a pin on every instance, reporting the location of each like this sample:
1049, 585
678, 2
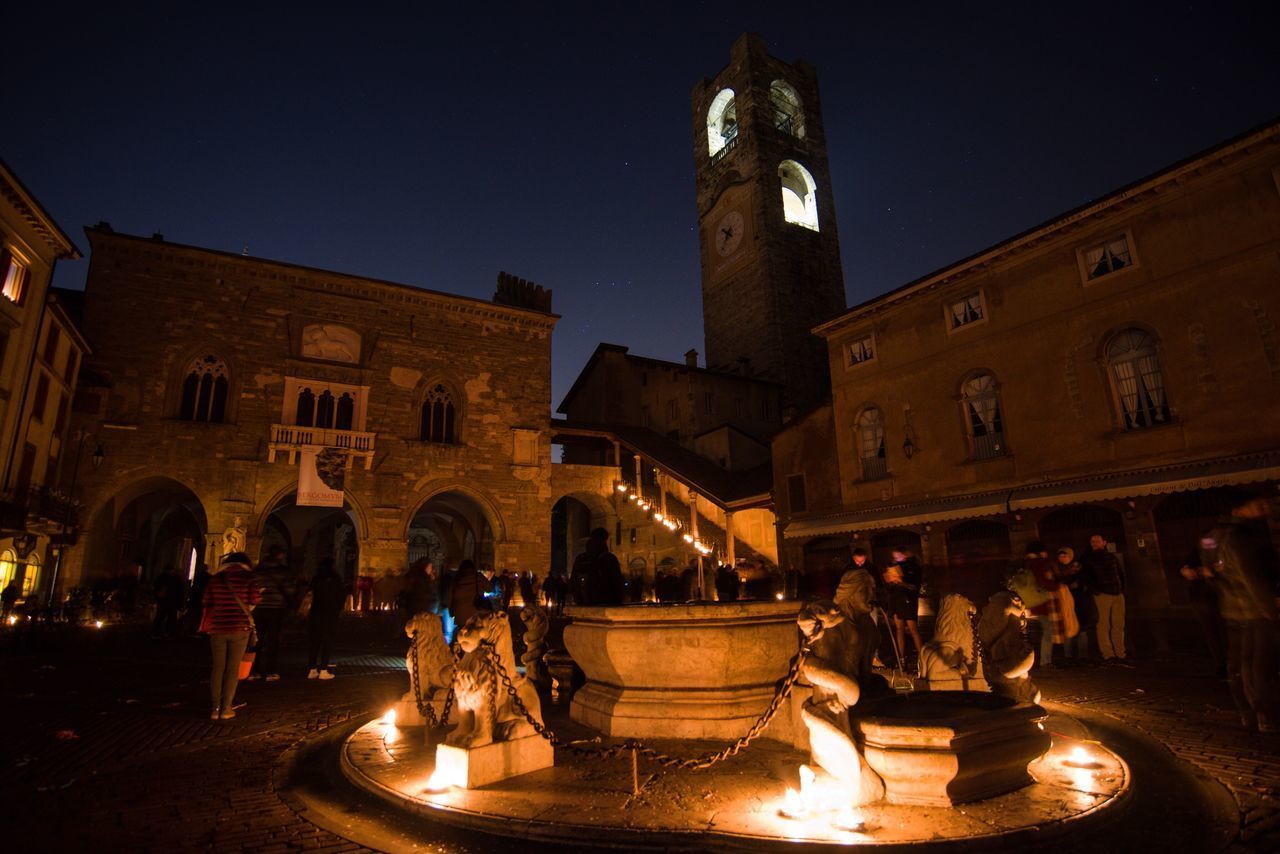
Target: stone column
729, 557
693, 532
639, 477
662, 493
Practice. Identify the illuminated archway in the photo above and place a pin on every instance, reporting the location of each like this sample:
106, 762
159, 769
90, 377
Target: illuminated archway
799, 195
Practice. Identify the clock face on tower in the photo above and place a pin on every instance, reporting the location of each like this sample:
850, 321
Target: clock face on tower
727, 235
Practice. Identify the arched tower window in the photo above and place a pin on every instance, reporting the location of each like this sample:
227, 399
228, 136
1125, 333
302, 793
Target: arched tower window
204, 391
439, 416
722, 123
799, 195
871, 443
980, 398
1138, 380
346, 412
306, 408
324, 409
788, 112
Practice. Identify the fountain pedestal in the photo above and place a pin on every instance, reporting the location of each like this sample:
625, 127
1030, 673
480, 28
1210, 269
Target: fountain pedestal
473, 767
680, 671
943, 748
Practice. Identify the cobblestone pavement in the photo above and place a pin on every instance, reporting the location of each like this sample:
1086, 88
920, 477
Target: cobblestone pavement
108, 744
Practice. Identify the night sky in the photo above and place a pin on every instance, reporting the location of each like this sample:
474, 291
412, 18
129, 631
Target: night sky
438, 149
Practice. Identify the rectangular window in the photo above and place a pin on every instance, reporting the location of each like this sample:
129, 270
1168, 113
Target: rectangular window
644, 378
796, 499
766, 411
673, 410
72, 364
22, 482
1106, 258
4, 348
14, 271
60, 420
861, 350
737, 407
966, 311
51, 345
707, 402
41, 400
644, 416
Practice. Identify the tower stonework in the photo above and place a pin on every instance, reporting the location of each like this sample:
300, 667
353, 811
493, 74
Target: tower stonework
767, 225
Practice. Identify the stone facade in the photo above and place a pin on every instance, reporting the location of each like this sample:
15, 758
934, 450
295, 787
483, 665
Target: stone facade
1107, 371
160, 314
766, 280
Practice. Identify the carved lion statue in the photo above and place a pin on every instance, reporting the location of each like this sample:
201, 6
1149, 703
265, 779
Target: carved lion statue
831, 667
485, 711
947, 662
434, 672
536, 624
1008, 655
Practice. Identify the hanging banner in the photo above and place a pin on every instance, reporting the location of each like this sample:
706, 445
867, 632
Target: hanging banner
322, 477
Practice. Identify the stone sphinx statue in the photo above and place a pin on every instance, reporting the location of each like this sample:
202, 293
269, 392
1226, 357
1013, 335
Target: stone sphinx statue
1008, 655
536, 624
948, 662
483, 707
831, 667
430, 665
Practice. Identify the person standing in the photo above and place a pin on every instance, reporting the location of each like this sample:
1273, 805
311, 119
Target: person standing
328, 594
1247, 575
9, 597
855, 597
227, 600
421, 591
1046, 612
168, 592
466, 593
1068, 570
1203, 598
1104, 576
597, 575
902, 590
727, 584
278, 592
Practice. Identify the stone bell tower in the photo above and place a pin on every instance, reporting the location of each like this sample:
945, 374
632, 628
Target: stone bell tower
767, 223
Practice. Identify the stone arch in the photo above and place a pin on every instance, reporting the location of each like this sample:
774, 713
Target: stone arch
487, 506
142, 522
788, 108
359, 516
722, 122
799, 195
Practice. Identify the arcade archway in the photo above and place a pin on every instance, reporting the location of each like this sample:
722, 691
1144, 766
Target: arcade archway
979, 555
449, 528
148, 525
309, 535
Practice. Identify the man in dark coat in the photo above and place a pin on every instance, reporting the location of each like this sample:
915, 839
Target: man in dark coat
597, 575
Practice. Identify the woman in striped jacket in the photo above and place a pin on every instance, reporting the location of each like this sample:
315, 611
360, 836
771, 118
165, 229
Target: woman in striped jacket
229, 598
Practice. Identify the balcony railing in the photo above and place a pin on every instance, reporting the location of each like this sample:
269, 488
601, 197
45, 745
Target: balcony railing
729, 144
874, 468
988, 446
291, 438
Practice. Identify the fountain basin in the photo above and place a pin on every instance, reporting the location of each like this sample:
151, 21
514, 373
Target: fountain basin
679, 671
943, 748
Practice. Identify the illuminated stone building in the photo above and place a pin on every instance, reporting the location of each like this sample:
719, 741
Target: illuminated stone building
213, 373
40, 353
1114, 370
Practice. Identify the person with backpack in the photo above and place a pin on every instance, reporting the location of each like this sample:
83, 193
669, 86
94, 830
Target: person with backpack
597, 575
227, 619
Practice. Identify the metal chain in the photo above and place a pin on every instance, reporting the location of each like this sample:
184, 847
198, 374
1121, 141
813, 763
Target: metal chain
425, 707
494, 662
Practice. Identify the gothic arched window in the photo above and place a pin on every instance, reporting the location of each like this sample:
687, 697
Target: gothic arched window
346, 412
204, 391
1138, 380
306, 408
799, 195
871, 443
324, 409
722, 123
439, 416
788, 114
980, 399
